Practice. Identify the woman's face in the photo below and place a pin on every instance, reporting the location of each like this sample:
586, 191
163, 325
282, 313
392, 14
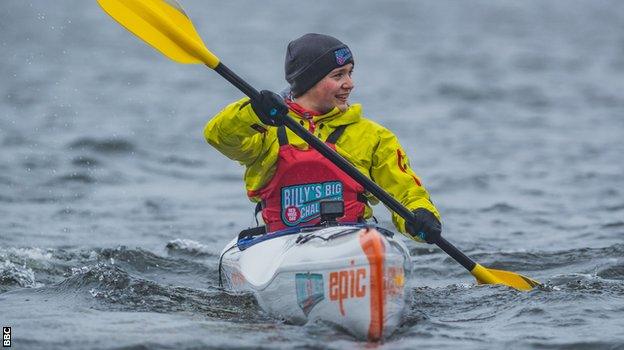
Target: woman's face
331, 91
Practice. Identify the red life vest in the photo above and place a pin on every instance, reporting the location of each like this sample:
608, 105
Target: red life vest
303, 179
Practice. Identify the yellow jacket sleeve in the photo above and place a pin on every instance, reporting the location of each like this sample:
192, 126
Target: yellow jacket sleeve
391, 170
237, 132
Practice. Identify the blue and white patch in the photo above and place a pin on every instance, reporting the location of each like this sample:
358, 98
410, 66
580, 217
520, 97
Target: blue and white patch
310, 290
342, 55
301, 203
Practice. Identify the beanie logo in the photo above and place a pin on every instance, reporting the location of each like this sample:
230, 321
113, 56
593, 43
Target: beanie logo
342, 55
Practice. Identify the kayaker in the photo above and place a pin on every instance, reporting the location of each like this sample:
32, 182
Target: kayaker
288, 178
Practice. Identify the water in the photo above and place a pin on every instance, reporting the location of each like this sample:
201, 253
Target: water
114, 210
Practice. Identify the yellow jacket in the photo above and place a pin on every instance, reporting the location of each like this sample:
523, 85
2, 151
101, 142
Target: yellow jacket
374, 150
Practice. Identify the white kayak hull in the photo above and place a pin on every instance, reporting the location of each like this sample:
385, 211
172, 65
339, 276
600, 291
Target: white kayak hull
351, 276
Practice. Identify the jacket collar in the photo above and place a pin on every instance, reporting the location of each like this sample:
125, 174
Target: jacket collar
334, 118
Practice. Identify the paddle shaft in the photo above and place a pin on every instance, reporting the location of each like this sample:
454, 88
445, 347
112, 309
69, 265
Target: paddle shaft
345, 166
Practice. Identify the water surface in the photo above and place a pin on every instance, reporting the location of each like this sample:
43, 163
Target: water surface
114, 210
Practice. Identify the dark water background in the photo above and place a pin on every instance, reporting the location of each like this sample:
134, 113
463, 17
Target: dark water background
113, 209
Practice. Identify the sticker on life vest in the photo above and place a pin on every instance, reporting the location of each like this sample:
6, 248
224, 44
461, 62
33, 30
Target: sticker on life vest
301, 203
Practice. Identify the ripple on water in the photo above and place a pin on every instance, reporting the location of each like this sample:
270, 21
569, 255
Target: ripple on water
140, 260
542, 261
14, 139
116, 289
618, 207
467, 308
577, 285
615, 272
613, 224
530, 311
104, 146
74, 177
85, 161
583, 345
12, 275
454, 91
68, 212
187, 247
127, 280
54, 265
186, 162
500, 208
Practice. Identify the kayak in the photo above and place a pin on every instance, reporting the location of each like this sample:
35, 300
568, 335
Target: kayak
350, 275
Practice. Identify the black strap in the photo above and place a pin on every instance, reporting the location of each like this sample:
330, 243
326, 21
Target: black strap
362, 198
335, 135
252, 232
281, 136
256, 211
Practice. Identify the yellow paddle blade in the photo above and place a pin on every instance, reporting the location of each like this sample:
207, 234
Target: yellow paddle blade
164, 25
510, 279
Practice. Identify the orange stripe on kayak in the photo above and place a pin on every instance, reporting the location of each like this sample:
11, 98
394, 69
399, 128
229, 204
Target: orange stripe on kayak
374, 248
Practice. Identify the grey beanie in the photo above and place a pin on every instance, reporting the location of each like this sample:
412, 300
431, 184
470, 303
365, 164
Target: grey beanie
311, 57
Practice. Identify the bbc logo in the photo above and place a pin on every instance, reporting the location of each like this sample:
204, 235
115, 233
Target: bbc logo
6, 337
